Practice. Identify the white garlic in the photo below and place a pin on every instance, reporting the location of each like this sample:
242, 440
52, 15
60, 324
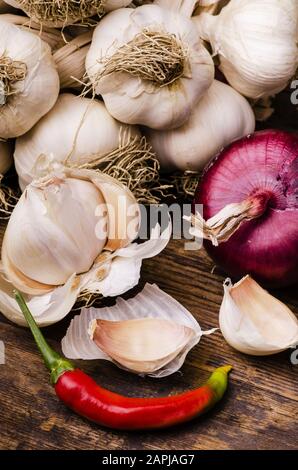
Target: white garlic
5, 156
29, 82
51, 36
150, 334
149, 64
256, 41
68, 235
254, 322
220, 117
58, 14
75, 131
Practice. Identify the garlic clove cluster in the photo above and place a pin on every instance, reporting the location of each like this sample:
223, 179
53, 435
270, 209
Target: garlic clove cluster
258, 58
55, 244
150, 334
31, 81
67, 238
220, 117
146, 59
254, 322
76, 130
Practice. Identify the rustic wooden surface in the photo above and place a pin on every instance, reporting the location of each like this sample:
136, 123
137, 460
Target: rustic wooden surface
259, 411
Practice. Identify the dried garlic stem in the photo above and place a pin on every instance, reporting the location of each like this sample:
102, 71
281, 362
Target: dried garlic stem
61, 10
11, 72
157, 57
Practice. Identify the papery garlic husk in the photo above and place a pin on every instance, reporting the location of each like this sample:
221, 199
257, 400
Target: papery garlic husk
220, 117
71, 234
150, 334
57, 13
6, 156
51, 36
254, 322
149, 64
70, 61
30, 82
256, 41
76, 131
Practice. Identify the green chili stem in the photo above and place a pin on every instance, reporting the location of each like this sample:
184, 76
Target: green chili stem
56, 364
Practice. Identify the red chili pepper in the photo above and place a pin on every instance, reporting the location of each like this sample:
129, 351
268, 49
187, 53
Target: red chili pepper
80, 393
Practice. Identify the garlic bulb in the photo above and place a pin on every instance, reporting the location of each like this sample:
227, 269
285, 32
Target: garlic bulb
220, 117
70, 233
149, 64
5, 157
77, 130
254, 322
70, 60
149, 334
29, 80
256, 41
57, 13
51, 36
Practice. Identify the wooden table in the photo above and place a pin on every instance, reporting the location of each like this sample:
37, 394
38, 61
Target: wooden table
259, 411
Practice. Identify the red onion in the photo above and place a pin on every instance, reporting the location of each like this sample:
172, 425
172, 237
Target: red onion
260, 174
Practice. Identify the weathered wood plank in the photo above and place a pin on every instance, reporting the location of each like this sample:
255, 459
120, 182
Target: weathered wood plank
259, 411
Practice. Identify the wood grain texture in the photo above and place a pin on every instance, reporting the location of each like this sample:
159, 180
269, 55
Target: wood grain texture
258, 412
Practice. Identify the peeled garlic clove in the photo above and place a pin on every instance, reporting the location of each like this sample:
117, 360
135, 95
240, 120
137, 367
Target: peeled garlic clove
150, 334
143, 345
254, 322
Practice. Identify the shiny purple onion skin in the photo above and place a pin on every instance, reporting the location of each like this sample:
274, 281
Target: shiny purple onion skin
266, 247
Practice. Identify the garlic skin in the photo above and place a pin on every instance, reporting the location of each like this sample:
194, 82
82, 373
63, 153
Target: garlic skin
51, 36
56, 248
258, 58
34, 96
132, 99
6, 158
220, 117
101, 6
150, 334
74, 130
254, 322
142, 345
70, 61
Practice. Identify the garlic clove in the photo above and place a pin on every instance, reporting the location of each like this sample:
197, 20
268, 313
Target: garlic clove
47, 309
254, 322
19, 279
119, 200
153, 305
142, 345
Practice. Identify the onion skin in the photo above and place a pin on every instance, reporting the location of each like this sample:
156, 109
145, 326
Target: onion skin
265, 163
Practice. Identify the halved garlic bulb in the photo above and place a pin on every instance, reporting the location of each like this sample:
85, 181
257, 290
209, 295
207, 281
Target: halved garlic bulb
150, 334
254, 322
71, 233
